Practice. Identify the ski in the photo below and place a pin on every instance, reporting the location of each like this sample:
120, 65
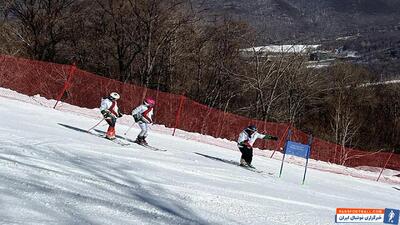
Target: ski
133, 141
149, 146
234, 163
251, 169
256, 170
97, 133
116, 140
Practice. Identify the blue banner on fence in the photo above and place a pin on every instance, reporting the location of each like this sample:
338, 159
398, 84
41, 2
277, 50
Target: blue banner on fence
297, 149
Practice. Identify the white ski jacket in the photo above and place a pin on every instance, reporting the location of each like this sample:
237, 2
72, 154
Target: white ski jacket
111, 106
144, 112
245, 137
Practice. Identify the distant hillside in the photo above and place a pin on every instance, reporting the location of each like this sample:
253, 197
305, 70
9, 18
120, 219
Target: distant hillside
303, 18
373, 24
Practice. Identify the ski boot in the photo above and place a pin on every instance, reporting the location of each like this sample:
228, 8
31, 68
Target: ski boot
110, 133
243, 163
141, 140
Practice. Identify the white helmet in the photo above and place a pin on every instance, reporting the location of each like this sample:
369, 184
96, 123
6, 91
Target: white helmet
114, 95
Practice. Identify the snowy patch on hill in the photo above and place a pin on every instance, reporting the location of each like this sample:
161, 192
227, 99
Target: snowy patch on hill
282, 48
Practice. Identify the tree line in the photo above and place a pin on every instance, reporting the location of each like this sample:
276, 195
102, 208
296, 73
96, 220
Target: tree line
172, 46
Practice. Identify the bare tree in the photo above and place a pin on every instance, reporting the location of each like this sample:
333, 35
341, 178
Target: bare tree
115, 21
345, 122
304, 87
43, 25
261, 76
211, 59
158, 23
9, 41
281, 82
345, 126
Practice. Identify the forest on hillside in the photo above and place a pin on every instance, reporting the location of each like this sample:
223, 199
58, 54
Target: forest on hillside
175, 46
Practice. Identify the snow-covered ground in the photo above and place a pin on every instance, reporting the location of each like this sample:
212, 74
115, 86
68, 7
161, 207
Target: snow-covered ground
52, 174
282, 48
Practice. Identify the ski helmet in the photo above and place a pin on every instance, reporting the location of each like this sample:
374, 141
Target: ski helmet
114, 95
149, 101
252, 128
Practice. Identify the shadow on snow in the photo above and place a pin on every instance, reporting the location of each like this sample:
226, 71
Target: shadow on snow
68, 183
219, 159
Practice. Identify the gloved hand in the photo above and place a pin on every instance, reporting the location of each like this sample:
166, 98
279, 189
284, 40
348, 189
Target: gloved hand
274, 138
107, 114
119, 114
247, 144
270, 137
137, 117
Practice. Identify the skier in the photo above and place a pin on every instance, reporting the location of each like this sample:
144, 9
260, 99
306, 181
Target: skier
111, 112
245, 143
142, 115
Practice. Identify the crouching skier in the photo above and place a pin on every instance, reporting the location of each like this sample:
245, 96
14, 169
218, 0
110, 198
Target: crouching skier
110, 112
142, 115
245, 143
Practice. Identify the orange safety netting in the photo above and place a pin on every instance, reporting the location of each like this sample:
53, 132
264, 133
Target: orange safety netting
86, 89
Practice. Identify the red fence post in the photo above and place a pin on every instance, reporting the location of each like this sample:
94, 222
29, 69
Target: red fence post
387, 161
178, 114
67, 83
221, 124
155, 116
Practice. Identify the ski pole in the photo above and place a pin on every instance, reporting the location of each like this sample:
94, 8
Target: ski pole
129, 128
95, 125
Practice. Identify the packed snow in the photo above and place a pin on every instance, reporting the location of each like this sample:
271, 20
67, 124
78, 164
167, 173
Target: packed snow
51, 172
282, 48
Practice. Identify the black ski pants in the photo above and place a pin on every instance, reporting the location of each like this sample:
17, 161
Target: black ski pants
247, 153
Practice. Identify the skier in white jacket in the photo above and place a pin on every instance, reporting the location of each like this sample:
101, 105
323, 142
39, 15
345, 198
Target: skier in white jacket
245, 143
111, 112
143, 116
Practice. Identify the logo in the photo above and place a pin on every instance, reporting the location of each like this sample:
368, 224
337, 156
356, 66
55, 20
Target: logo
391, 216
366, 215
359, 215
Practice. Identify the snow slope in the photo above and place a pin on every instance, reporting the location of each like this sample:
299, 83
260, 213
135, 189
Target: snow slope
52, 174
